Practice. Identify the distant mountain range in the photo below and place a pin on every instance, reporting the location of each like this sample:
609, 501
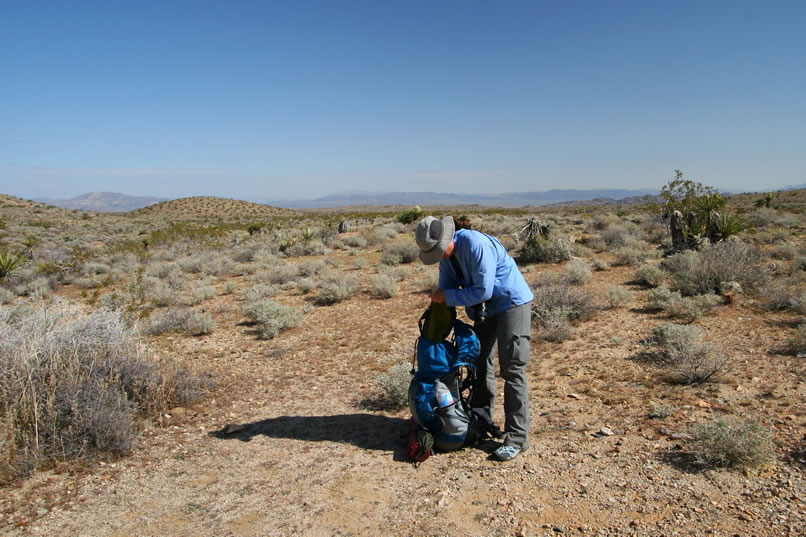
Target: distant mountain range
103, 202
509, 199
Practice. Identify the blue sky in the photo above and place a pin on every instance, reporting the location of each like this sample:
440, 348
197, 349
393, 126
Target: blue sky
299, 99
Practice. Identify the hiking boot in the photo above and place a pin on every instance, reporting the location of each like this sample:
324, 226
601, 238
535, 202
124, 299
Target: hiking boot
506, 453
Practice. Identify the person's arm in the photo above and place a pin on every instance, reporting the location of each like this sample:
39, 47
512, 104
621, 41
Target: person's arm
479, 261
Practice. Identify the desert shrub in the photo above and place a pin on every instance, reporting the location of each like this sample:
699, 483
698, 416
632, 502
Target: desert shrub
40, 287
600, 264
282, 274
764, 217
219, 266
162, 270
786, 294
261, 290
731, 443
307, 248
272, 317
93, 268
556, 304
677, 306
114, 300
621, 234
786, 250
428, 282
6, 296
200, 294
633, 253
311, 267
618, 296
189, 322
692, 360
355, 241
162, 295
400, 252
193, 264
797, 344
229, 288
395, 385
306, 285
581, 250
336, 287
411, 215
703, 272
538, 250
650, 275
799, 264
72, 386
383, 286
576, 272
397, 273
379, 235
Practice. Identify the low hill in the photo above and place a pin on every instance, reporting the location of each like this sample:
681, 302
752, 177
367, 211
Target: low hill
205, 207
104, 202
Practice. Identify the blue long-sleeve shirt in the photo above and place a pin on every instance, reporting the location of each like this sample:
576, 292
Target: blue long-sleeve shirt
488, 274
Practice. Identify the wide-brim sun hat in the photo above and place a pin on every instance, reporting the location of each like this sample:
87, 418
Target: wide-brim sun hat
433, 237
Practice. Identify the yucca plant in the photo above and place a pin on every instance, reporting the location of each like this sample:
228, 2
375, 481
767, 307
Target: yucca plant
10, 262
723, 226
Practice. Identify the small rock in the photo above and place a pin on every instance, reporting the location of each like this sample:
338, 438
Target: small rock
606, 431
663, 431
574, 396
41, 511
678, 436
557, 529
442, 499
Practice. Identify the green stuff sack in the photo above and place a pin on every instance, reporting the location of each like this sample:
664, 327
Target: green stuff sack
437, 321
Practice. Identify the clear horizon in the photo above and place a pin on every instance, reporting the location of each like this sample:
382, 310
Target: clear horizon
299, 100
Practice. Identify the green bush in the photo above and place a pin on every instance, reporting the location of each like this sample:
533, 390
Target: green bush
731, 443
411, 215
395, 385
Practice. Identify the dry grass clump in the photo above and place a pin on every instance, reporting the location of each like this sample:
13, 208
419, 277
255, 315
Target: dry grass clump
72, 385
731, 443
692, 360
272, 317
395, 385
336, 287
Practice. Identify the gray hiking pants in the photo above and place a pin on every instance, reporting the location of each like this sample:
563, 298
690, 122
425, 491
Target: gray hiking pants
512, 329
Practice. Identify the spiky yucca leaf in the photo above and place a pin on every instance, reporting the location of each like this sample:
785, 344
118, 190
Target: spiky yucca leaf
10, 262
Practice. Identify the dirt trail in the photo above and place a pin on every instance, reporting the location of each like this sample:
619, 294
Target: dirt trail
316, 458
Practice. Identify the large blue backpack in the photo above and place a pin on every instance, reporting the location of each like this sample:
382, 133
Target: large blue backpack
453, 363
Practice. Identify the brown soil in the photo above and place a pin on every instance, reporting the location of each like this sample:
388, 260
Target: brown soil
316, 456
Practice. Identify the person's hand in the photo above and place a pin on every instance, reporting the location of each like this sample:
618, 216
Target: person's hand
438, 296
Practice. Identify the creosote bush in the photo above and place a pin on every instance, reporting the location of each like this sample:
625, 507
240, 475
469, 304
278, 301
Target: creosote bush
539, 250
72, 385
395, 385
731, 443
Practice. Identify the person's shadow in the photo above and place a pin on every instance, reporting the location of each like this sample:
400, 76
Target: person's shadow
365, 431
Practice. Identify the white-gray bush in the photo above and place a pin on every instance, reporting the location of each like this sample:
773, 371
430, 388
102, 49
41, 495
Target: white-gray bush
71, 385
692, 360
272, 317
335, 287
395, 385
383, 286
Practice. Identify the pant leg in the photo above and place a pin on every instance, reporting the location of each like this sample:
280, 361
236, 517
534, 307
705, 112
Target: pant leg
484, 390
514, 330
